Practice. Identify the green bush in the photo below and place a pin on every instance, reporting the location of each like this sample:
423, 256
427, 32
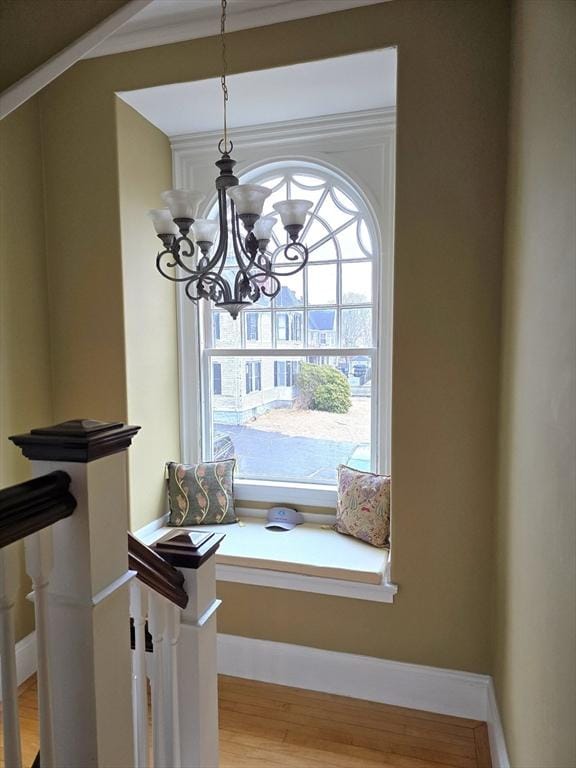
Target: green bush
323, 388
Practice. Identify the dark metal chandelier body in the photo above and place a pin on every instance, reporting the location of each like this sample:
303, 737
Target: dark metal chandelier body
258, 270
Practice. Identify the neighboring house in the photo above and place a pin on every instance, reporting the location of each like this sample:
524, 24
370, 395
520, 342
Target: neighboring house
245, 388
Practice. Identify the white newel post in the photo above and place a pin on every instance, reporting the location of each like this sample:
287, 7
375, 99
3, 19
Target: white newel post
197, 655
87, 597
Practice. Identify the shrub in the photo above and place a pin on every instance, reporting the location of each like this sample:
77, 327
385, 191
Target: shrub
323, 388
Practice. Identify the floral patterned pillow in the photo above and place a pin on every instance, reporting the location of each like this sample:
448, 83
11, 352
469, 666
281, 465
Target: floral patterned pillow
201, 494
363, 507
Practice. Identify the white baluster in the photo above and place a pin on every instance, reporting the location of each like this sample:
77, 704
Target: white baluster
138, 600
198, 676
172, 721
9, 582
157, 627
39, 563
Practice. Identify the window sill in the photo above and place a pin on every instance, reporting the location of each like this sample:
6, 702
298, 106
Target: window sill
268, 491
308, 558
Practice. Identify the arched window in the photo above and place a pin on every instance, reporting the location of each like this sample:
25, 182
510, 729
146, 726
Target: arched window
295, 395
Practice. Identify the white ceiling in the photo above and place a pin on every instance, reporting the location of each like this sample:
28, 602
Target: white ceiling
346, 84
171, 21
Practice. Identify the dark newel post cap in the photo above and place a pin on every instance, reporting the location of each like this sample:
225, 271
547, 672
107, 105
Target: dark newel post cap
176, 548
80, 440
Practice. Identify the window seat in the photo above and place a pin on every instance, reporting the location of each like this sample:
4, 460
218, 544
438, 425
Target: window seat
309, 558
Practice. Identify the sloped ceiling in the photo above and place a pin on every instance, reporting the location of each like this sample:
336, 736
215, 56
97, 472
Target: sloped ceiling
170, 21
32, 31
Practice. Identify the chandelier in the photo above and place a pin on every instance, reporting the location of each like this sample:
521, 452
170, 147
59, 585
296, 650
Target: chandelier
237, 277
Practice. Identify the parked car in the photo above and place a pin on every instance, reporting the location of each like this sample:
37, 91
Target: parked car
360, 458
223, 447
361, 368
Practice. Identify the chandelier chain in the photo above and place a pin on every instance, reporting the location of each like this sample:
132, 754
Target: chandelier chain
224, 70
204, 277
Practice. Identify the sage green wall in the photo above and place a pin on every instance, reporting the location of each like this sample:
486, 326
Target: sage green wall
145, 168
535, 649
25, 386
452, 104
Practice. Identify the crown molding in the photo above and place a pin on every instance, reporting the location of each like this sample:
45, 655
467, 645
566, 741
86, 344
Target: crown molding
207, 26
374, 125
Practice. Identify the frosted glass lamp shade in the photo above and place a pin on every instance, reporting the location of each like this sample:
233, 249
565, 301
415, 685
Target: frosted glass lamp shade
183, 204
293, 212
162, 221
248, 198
263, 227
204, 230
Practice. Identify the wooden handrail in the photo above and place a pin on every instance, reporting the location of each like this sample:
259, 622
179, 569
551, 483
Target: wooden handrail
155, 572
28, 507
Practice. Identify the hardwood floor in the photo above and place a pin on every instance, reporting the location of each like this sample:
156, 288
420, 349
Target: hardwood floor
271, 726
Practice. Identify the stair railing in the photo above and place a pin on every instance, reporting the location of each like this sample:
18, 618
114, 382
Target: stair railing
91, 687
174, 616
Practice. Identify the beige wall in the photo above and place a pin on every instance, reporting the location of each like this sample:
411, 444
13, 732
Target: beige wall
25, 386
145, 168
32, 31
535, 652
450, 180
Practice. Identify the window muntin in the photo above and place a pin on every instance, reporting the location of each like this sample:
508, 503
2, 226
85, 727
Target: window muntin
329, 306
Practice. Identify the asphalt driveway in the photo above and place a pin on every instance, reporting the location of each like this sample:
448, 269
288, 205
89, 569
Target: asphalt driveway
274, 456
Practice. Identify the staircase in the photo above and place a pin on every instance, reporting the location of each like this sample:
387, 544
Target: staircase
89, 581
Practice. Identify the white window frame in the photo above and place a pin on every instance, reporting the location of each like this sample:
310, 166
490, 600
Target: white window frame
339, 144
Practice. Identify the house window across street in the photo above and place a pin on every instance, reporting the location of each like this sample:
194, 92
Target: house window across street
285, 373
251, 326
253, 377
217, 378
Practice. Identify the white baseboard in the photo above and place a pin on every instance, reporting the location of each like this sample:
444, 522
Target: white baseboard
25, 659
362, 677
445, 691
498, 749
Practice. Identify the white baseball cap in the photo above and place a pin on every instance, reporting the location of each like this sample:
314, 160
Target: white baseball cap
283, 519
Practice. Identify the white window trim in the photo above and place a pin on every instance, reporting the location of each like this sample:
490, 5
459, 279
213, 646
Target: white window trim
317, 141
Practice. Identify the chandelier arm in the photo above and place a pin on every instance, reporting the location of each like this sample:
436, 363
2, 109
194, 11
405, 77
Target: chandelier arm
301, 252
214, 281
222, 248
240, 251
271, 292
177, 254
171, 265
